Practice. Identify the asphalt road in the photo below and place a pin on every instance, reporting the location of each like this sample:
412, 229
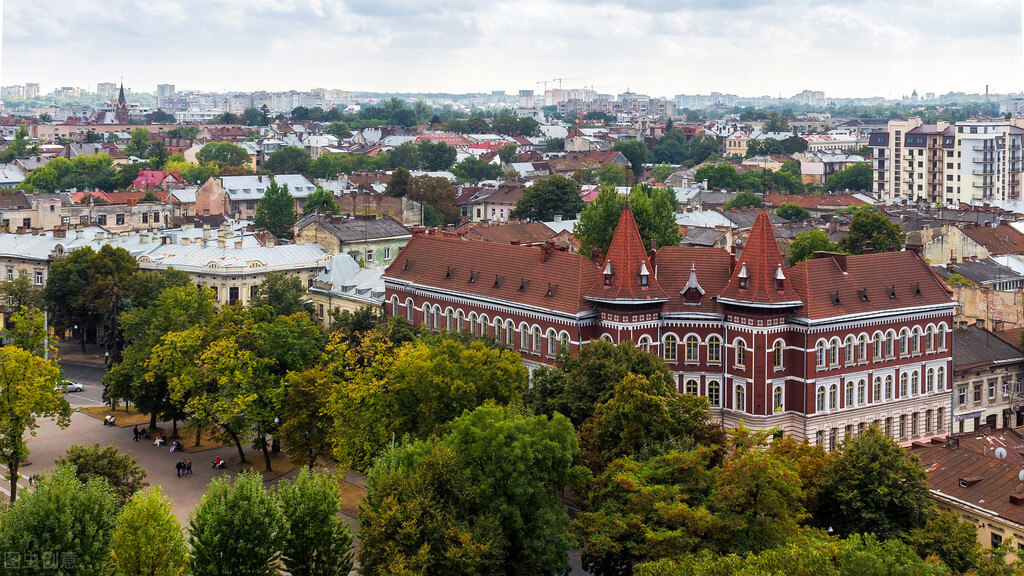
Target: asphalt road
91, 376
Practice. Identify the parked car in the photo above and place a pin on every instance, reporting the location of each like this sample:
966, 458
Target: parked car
70, 387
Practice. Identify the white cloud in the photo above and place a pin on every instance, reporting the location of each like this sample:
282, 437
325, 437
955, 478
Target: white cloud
664, 47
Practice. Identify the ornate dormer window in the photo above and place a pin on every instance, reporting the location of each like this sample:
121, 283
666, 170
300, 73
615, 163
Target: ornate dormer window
780, 278
692, 292
609, 273
744, 276
643, 274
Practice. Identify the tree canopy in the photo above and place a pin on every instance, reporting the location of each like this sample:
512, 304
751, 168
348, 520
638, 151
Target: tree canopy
807, 243
223, 154
792, 212
320, 201
856, 177
288, 160
549, 197
275, 212
874, 227
636, 152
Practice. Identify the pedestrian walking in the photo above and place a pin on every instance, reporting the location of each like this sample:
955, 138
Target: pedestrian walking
32, 480
179, 466
188, 467
136, 433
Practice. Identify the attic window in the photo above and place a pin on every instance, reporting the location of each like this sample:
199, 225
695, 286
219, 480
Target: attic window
780, 278
917, 288
643, 273
448, 273
863, 295
523, 285
472, 277
969, 481
497, 281
609, 273
551, 291
743, 276
834, 297
891, 290
406, 267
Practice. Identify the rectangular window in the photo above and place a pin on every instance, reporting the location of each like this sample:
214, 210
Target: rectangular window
991, 389
888, 427
961, 395
119, 218
369, 255
39, 278
101, 220
940, 425
913, 424
903, 426
145, 217
387, 253
927, 421
26, 222
977, 392
320, 311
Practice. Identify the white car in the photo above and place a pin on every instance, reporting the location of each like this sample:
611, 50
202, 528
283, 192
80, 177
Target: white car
70, 387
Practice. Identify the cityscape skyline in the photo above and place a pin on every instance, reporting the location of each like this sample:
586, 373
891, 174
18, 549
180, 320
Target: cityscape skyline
873, 49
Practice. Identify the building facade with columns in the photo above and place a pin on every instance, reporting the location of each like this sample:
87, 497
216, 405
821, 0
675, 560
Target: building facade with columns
816, 351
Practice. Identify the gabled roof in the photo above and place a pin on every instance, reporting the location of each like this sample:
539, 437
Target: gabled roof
872, 283
754, 281
155, 178
355, 229
525, 233
1003, 239
628, 272
546, 279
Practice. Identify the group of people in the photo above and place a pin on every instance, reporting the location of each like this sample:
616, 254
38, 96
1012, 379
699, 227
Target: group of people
109, 420
184, 467
137, 433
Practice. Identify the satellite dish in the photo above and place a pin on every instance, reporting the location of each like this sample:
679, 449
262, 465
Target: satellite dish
1020, 476
1000, 452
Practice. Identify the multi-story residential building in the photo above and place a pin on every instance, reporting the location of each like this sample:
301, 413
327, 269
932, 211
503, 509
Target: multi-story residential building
344, 285
987, 383
237, 196
818, 351
364, 237
948, 164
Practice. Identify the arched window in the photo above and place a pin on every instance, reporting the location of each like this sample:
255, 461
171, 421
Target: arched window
714, 350
940, 378
536, 339
460, 321
499, 331
876, 345
485, 325
862, 386
819, 354
473, 328
714, 393
915, 383
915, 340
394, 306
862, 348
777, 399
691, 387
876, 393
645, 343
524, 336
449, 319
940, 337
671, 347
741, 353
890, 338
850, 350
510, 333
904, 342
692, 348
777, 353
849, 394
833, 397
833, 352
563, 341
929, 380
820, 404
904, 385
741, 398
606, 337
552, 342
437, 318
929, 338
426, 316
410, 310
888, 387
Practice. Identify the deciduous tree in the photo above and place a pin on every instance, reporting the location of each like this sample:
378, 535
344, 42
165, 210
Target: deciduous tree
435, 157
398, 185
548, 197
807, 243
275, 212
874, 227
120, 471
288, 160
223, 154
149, 540
316, 541
792, 212
320, 201
436, 192
636, 152
284, 293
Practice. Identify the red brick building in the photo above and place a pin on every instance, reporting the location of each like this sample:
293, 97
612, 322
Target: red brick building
818, 350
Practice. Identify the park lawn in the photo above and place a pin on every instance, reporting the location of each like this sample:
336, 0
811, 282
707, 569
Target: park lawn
279, 462
124, 418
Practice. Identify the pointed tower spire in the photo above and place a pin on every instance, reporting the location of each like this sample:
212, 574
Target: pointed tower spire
628, 273
760, 279
121, 110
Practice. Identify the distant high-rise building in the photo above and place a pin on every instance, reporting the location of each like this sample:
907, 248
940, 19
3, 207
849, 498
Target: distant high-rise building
106, 88
526, 99
165, 90
31, 89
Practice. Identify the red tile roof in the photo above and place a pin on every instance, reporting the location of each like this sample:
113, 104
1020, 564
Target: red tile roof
625, 265
525, 233
1003, 239
761, 263
872, 283
548, 279
673, 263
154, 178
813, 202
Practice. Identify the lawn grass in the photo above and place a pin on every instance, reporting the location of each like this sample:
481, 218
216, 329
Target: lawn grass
279, 462
124, 418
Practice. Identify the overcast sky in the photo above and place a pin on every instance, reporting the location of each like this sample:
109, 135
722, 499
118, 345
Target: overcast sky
660, 47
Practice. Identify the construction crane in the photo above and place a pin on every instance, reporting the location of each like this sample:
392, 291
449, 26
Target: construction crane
559, 80
545, 83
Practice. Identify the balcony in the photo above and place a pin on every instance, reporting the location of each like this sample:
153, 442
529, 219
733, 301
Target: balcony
983, 185
983, 172
983, 148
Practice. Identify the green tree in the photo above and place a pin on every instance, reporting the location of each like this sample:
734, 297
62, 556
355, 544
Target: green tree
234, 529
652, 209
555, 145
744, 200
65, 516
872, 486
473, 169
612, 175
807, 243
874, 227
20, 147
636, 152
641, 418
256, 116
398, 185
872, 554
661, 172
507, 153
320, 201
339, 130
26, 394
329, 166
776, 123
548, 197
718, 176
316, 541
139, 144
405, 155
856, 177
19, 292
307, 424
482, 499
148, 539
120, 471
282, 292
792, 212
946, 536
288, 160
275, 212
435, 157
438, 193
223, 154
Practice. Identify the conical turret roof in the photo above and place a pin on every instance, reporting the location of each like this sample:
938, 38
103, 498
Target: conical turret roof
760, 275
628, 273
